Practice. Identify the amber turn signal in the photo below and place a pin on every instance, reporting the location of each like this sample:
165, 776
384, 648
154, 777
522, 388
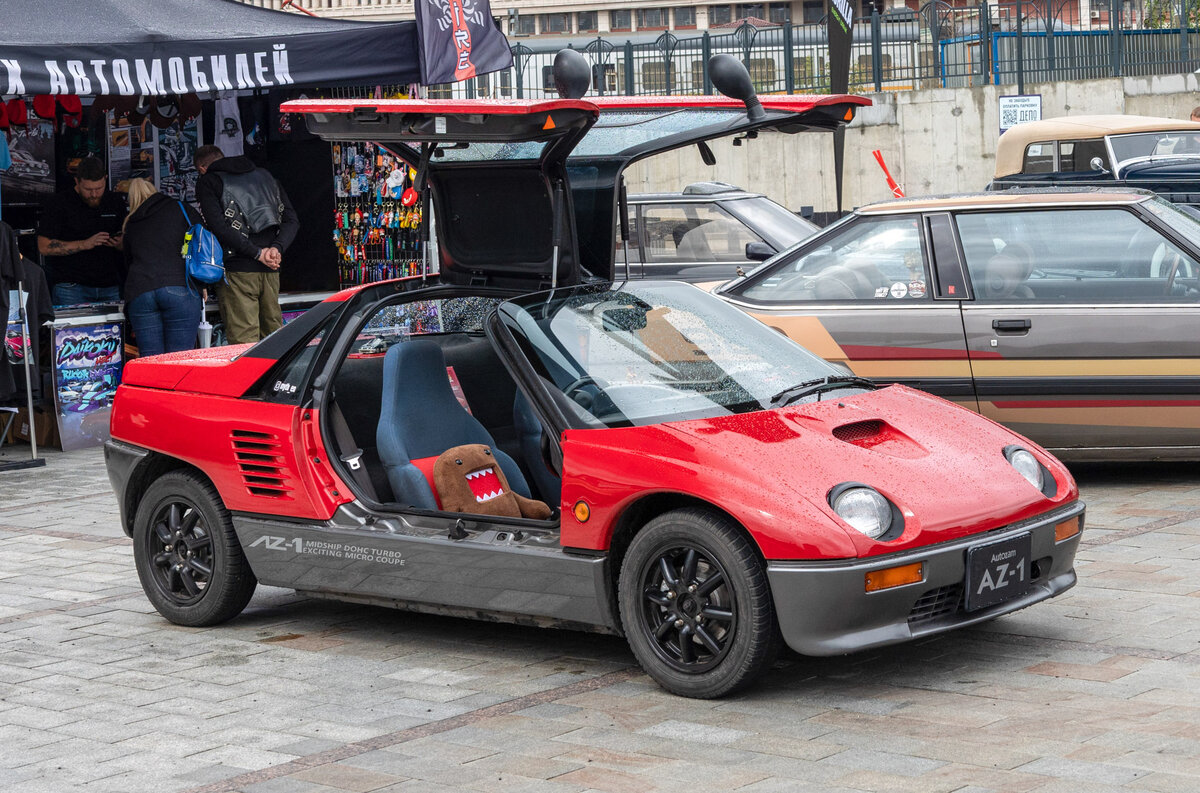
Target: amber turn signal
849, 114
890, 577
582, 511
1066, 529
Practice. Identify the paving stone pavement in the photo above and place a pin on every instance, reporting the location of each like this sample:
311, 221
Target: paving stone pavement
1097, 690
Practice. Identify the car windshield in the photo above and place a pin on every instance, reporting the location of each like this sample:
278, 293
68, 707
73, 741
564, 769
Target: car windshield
620, 130
1185, 221
1155, 144
772, 221
650, 352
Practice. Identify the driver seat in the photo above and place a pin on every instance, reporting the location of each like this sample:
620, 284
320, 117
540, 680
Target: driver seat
420, 418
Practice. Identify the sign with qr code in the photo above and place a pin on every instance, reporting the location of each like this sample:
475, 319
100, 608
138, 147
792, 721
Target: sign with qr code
1019, 109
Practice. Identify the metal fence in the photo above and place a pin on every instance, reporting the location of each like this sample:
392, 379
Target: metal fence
938, 45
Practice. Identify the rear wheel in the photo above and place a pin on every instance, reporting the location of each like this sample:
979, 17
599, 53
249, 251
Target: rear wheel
187, 554
695, 605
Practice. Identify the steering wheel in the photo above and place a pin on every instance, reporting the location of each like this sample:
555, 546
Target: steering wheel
1172, 271
575, 390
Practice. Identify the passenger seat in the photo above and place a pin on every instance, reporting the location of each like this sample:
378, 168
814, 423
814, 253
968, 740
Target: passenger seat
420, 418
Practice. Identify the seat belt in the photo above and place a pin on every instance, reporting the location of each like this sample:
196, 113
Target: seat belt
350, 454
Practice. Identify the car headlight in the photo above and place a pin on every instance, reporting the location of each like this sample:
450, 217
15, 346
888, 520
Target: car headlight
1027, 466
864, 509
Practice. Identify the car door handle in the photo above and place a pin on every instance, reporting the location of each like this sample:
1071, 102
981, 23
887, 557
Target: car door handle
1011, 325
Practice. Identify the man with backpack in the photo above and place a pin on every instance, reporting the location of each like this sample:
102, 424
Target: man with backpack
249, 212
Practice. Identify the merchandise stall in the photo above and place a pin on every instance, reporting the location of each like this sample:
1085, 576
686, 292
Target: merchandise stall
142, 87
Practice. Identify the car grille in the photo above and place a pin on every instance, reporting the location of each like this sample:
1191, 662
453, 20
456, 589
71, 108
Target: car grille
261, 463
936, 603
859, 431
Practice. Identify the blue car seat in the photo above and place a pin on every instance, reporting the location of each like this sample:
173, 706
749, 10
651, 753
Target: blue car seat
529, 435
420, 417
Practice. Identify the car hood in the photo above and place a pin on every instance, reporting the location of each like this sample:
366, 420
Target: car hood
942, 466
222, 371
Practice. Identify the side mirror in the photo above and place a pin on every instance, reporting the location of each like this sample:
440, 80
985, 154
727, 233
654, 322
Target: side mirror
1097, 164
729, 76
572, 75
759, 251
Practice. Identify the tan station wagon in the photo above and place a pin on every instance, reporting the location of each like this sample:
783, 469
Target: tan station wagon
1071, 316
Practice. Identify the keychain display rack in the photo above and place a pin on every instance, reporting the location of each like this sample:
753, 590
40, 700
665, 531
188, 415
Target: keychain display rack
377, 236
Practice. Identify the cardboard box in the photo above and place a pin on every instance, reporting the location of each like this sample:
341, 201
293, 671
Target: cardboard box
44, 427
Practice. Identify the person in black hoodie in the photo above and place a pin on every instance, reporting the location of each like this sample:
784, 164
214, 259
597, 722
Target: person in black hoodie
253, 218
163, 310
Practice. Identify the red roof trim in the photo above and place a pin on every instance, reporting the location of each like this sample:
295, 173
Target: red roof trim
796, 103
492, 107
793, 104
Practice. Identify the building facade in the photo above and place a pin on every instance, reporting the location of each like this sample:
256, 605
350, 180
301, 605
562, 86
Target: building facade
537, 18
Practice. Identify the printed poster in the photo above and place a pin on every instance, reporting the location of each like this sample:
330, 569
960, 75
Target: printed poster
177, 172
30, 180
87, 370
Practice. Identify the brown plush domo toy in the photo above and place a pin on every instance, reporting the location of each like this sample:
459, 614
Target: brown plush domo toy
468, 479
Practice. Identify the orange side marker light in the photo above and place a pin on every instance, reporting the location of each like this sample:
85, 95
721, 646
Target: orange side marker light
1067, 529
582, 511
849, 114
891, 577
549, 122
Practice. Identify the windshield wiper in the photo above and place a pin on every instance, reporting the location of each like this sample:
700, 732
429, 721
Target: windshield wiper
828, 383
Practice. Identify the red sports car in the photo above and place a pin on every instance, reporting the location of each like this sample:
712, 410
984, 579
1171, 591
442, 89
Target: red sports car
715, 489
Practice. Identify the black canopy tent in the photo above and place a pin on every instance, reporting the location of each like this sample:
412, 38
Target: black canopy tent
174, 47
132, 47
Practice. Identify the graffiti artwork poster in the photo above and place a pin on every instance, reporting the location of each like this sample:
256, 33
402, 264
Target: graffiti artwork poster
87, 370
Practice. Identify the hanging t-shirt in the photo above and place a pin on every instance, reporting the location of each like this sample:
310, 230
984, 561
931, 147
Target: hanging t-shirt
5, 162
227, 124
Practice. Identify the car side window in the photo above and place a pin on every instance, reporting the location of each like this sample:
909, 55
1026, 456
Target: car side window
1079, 256
1039, 158
873, 260
288, 384
692, 233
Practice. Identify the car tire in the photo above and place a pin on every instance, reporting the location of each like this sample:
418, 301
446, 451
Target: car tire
187, 555
696, 606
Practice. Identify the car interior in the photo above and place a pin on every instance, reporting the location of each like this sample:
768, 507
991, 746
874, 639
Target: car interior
422, 378
1021, 256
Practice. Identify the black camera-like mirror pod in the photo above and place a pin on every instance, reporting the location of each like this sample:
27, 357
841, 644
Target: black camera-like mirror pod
729, 76
572, 76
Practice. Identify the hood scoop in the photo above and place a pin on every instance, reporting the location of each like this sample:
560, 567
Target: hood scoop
879, 436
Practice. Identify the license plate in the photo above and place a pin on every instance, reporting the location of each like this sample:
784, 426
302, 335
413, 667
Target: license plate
997, 571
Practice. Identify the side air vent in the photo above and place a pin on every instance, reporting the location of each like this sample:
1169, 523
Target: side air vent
259, 458
859, 431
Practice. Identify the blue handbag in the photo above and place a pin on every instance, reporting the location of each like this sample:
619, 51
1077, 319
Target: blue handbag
202, 255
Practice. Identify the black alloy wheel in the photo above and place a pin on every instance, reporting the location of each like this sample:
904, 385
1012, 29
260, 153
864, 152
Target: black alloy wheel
695, 604
688, 609
180, 547
187, 554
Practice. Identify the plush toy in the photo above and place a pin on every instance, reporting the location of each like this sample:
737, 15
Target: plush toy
468, 479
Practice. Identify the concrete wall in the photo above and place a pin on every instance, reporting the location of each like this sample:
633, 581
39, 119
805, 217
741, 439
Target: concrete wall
934, 141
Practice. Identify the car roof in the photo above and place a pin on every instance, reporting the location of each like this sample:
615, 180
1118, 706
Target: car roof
1009, 198
1010, 150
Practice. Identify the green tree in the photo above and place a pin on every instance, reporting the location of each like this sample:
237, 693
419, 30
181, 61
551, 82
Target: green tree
1162, 14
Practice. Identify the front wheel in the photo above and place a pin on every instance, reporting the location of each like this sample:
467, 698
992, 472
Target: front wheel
695, 605
187, 554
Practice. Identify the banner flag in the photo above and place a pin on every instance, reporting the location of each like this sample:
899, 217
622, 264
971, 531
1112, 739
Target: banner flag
459, 40
841, 38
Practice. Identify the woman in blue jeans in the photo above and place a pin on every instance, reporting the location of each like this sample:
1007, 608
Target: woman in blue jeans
163, 311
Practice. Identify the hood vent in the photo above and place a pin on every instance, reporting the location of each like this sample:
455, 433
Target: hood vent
859, 431
879, 436
259, 459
